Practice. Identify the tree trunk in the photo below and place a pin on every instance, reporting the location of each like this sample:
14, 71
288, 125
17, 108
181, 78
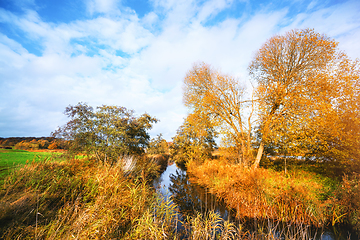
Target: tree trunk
259, 155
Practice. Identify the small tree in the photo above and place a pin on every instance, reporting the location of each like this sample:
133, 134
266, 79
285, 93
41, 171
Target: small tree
43, 143
53, 146
194, 140
158, 145
106, 133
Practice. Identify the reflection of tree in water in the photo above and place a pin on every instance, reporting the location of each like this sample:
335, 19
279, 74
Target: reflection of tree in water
192, 198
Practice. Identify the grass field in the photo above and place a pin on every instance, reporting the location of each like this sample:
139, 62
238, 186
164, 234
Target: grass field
13, 158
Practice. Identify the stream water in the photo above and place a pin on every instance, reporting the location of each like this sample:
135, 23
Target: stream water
191, 198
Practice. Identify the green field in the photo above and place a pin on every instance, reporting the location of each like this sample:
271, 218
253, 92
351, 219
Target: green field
11, 159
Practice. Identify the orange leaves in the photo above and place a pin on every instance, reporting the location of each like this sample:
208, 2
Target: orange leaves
308, 98
219, 97
301, 80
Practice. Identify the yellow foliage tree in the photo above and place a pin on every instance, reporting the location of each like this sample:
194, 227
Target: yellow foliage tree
194, 140
221, 98
305, 88
53, 145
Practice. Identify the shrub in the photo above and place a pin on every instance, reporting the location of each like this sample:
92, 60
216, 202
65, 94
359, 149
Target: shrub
345, 205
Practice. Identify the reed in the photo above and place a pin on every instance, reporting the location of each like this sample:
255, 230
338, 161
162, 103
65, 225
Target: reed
83, 199
211, 226
75, 198
300, 197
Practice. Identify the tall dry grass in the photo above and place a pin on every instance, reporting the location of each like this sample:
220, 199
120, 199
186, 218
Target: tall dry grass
298, 198
345, 204
81, 199
71, 199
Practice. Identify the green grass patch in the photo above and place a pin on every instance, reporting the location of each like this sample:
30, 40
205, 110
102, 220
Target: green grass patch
13, 158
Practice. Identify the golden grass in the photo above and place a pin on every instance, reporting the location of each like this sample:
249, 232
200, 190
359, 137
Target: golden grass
81, 199
265, 194
77, 198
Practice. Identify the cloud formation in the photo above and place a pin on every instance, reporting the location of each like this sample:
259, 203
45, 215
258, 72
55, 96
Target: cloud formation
111, 54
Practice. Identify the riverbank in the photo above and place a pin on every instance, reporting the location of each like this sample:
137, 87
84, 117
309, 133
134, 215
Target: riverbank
87, 199
300, 197
78, 198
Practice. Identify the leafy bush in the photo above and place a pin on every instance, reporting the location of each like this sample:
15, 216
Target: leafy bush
158, 145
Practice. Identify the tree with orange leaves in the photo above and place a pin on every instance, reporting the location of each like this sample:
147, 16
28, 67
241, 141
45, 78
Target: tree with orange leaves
221, 99
306, 88
194, 140
307, 98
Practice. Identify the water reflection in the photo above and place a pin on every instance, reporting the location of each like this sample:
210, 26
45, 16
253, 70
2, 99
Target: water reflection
189, 197
162, 184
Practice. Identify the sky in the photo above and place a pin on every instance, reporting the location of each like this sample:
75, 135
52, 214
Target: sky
135, 53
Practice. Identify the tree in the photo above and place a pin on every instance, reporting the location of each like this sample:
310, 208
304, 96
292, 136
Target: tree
340, 131
43, 143
194, 140
158, 145
221, 98
302, 82
107, 133
53, 146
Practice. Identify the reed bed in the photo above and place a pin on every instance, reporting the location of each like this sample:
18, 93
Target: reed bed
299, 198
78, 198
83, 199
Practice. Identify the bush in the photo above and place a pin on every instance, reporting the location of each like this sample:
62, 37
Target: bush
106, 133
345, 206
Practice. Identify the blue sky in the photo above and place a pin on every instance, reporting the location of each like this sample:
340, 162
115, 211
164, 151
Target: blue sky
136, 53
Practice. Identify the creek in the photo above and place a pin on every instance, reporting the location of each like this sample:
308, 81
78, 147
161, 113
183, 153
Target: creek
191, 198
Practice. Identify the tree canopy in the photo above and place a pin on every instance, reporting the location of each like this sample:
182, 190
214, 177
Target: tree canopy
220, 97
194, 140
158, 145
303, 82
107, 133
306, 100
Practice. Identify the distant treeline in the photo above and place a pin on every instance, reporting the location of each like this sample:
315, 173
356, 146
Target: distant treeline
31, 143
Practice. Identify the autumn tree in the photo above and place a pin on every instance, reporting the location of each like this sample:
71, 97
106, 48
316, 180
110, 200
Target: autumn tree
339, 128
106, 133
43, 143
194, 140
53, 145
222, 99
158, 145
28, 145
304, 86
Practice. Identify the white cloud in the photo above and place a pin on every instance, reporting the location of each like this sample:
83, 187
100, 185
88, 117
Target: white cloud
211, 8
116, 58
12, 52
149, 20
101, 6
312, 5
340, 21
